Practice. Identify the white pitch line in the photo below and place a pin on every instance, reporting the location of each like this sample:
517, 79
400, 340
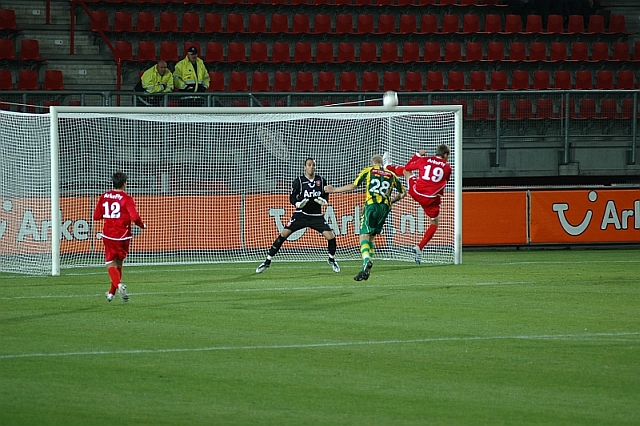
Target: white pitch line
575, 337
279, 289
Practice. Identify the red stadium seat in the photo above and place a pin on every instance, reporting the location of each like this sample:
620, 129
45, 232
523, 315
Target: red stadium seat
625, 80
410, 52
480, 110
215, 52
579, 51
212, 23
6, 80
123, 22
322, 23
617, 24
370, 81
452, 52
492, 23
386, 24
498, 80
429, 24
604, 80
627, 109
544, 108
190, 22
477, 80
279, 23
28, 80
576, 24
326, 81
146, 51
348, 81
517, 51
600, 51
455, 80
450, 24
281, 52
596, 24
364, 24
282, 82
260, 82
146, 22
520, 80
534, 24
541, 80
304, 82
391, 81
435, 81
538, 51
587, 108
389, 52
7, 49
555, 24
168, 22
558, 51
189, 44
53, 80
495, 51
608, 108
8, 20
470, 23
30, 50
432, 52
513, 24
621, 51
584, 80
302, 52
238, 81
562, 80
301, 24
524, 109
505, 109
257, 23
368, 52
169, 51
216, 81
258, 52
474, 51
408, 24
346, 52
344, 24
124, 51
236, 52
413, 81
235, 23
324, 52
99, 21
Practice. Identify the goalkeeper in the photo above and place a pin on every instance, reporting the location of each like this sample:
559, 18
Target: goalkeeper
308, 195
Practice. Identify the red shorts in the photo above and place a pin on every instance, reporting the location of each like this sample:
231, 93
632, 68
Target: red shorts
430, 205
115, 249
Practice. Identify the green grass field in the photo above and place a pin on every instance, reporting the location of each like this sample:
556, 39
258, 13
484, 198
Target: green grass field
508, 337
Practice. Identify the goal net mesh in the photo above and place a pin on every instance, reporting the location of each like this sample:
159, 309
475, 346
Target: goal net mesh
210, 187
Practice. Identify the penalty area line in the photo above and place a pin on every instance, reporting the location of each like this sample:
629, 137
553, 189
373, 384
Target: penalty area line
573, 337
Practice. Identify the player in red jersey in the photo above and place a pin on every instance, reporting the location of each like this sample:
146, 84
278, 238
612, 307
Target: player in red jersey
118, 210
426, 187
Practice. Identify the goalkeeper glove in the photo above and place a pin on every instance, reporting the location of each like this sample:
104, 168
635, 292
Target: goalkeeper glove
321, 201
301, 204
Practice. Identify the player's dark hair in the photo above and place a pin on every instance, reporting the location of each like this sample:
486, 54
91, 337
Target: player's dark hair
442, 150
119, 179
307, 159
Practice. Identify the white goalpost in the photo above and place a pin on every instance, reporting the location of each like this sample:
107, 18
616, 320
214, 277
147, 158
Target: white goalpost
212, 184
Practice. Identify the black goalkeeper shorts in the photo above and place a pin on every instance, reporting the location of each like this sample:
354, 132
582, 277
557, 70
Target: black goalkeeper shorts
301, 220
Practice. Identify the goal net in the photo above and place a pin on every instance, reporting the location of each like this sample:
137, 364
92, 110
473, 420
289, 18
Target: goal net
212, 185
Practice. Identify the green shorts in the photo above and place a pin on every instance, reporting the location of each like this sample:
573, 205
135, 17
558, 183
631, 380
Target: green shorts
372, 219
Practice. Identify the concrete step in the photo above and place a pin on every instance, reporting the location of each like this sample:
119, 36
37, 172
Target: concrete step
30, 13
89, 76
56, 40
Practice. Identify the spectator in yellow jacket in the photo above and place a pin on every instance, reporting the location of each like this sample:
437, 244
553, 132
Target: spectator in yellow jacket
157, 79
190, 74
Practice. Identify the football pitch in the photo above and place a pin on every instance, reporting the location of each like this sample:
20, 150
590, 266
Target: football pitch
512, 337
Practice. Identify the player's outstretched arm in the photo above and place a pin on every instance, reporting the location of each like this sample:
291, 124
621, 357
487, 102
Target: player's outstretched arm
346, 188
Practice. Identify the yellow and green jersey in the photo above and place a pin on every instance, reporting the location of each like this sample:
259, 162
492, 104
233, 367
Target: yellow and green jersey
379, 184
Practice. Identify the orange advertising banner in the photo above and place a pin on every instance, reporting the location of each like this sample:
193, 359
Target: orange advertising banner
494, 218
585, 216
